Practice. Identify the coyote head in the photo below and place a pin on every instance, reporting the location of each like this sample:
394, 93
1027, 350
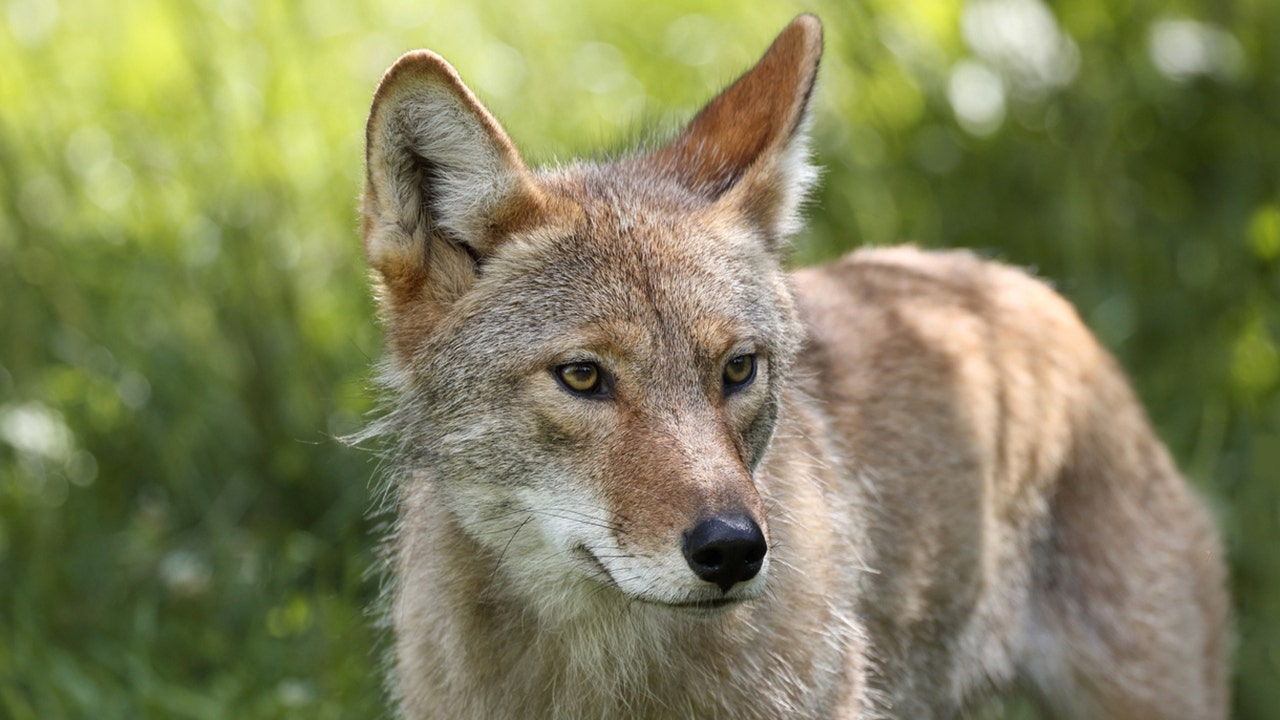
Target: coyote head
588, 359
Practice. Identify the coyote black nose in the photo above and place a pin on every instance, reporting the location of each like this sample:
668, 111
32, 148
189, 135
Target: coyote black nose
725, 550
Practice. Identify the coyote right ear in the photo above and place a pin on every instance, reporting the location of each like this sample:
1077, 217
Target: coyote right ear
748, 145
444, 184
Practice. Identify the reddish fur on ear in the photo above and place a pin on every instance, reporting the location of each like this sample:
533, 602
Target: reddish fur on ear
754, 119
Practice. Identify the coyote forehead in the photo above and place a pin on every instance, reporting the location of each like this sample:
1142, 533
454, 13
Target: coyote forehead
639, 274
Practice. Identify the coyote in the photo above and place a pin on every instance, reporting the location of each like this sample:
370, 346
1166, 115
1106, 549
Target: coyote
644, 472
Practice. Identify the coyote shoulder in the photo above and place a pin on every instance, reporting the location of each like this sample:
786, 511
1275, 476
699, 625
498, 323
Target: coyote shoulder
643, 472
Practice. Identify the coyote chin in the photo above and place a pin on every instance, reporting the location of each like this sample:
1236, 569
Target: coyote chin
644, 472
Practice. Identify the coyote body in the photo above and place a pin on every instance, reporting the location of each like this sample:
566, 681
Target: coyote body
645, 473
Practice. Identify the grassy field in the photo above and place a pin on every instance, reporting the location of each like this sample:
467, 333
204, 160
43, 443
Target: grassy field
186, 327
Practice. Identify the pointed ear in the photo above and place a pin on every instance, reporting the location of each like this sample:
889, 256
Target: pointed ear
444, 184
748, 146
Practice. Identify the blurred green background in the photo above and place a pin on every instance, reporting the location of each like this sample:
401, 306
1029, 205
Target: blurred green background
185, 324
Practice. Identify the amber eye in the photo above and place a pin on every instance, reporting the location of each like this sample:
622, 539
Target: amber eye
739, 371
583, 378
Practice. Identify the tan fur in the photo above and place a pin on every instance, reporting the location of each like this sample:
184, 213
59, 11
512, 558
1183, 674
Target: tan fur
959, 492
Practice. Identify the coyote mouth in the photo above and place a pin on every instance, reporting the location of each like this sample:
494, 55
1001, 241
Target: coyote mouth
583, 552
706, 606
712, 604
711, 608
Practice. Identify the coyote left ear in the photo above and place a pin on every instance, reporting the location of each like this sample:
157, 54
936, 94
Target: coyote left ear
444, 186
748, 145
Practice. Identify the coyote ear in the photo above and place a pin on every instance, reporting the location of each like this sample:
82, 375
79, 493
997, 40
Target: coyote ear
749, 144
444, 183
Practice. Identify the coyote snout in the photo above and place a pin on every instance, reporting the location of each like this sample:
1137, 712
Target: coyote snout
644, 472
684, 496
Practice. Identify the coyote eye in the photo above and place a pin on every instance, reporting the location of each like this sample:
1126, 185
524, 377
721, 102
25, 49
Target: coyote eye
739, 372
582, 378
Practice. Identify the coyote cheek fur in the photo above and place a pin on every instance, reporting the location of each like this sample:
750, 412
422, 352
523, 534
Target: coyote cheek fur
642, 472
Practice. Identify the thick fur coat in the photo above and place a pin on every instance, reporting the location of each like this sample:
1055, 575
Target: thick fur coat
938, 486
